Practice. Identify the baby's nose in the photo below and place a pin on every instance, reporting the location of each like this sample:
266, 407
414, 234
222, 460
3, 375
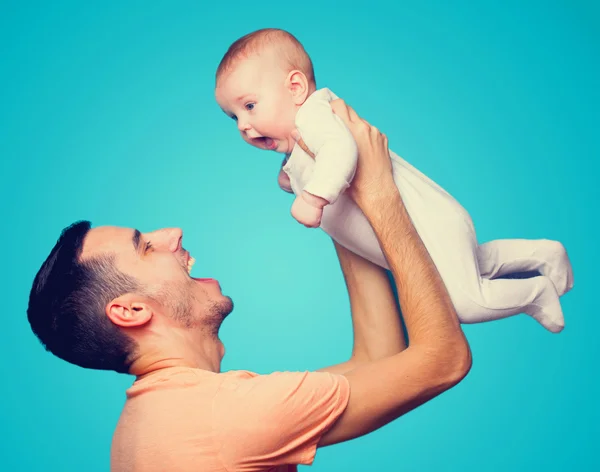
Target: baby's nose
244, 126
252, 133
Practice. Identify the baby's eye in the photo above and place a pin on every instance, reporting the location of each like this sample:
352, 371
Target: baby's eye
250, 106
234, 118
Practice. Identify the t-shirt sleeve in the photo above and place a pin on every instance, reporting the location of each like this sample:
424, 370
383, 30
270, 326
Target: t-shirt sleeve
277, 419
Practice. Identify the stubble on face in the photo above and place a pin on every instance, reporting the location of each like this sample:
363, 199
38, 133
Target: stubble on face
191, 312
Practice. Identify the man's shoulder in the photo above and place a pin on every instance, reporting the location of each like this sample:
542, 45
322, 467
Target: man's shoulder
278, 382
248, 375
284, 413
271, 397
275, 375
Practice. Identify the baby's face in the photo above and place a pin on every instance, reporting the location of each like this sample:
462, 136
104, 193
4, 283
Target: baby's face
255, 96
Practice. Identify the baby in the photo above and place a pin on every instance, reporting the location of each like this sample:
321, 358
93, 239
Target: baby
266, 83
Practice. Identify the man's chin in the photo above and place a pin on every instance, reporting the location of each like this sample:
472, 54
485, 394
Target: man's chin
216, 314
226, 306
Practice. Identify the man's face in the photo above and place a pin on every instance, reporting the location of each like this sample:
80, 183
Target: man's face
162, 267
254, 95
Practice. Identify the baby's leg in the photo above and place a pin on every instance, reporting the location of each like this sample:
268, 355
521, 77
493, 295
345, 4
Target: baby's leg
509, 256
500, 298
477, 299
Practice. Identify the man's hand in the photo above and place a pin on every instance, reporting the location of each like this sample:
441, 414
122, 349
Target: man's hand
296, 136
373, 173
374, 169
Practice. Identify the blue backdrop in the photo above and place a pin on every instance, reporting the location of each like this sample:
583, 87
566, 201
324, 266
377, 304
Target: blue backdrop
107, 113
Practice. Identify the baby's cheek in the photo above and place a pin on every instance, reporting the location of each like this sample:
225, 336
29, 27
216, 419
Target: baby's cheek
284, 129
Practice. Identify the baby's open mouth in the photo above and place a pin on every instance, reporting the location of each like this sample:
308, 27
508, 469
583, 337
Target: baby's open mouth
265, 142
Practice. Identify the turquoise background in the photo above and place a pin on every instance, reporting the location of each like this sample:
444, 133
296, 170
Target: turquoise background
107, 114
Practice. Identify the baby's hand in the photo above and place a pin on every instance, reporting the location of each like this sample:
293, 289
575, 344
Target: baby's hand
308, 209
305, 213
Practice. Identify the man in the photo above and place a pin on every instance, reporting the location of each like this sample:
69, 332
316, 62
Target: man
113, 298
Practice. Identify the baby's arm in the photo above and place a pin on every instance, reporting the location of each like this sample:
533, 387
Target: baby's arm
333, 145
283, 179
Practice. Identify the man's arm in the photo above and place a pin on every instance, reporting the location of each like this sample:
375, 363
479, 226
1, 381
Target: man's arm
375, 317
438, 356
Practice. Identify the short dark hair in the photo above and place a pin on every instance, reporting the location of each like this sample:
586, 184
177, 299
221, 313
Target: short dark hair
67, 305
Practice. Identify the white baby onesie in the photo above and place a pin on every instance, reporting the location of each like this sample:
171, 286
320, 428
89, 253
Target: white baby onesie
468, 270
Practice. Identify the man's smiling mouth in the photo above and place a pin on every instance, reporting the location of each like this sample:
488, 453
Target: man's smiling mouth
190, 264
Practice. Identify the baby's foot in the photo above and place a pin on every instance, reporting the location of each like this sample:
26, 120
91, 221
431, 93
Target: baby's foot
546, 308
557, 265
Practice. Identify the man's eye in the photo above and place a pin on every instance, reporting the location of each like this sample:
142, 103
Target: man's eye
147, 247
250, 106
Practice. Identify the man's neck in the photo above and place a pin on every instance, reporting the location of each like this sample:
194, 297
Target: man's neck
185, 349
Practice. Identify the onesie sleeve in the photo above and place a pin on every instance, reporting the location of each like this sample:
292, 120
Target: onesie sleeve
328, 137
276, 419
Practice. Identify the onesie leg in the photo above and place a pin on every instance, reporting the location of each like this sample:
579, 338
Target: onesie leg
478, 299
501, 298
508, 256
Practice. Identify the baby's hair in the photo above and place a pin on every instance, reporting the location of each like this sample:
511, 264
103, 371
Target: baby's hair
288, 48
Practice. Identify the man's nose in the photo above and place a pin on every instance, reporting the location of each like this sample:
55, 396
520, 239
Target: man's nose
167, 238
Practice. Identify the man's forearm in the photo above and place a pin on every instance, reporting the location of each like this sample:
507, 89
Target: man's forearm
428, 311
376, 322
375, 316
437, 356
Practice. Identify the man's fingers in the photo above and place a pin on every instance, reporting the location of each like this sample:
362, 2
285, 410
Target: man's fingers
357, 125
301, 143
353, 116
349, 116
362, 126
340, 108
374, 131
305, 148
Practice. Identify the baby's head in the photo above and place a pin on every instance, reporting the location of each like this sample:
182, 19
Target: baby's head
261, 82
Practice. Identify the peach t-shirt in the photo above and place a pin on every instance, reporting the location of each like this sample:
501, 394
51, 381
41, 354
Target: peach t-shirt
183, 419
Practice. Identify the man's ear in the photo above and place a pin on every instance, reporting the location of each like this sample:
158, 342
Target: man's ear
127, 311
297, 84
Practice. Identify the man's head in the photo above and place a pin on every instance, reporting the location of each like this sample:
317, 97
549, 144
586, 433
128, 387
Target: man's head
102, 292
261, 82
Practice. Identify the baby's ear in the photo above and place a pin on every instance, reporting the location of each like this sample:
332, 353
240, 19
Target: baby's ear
297, 84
